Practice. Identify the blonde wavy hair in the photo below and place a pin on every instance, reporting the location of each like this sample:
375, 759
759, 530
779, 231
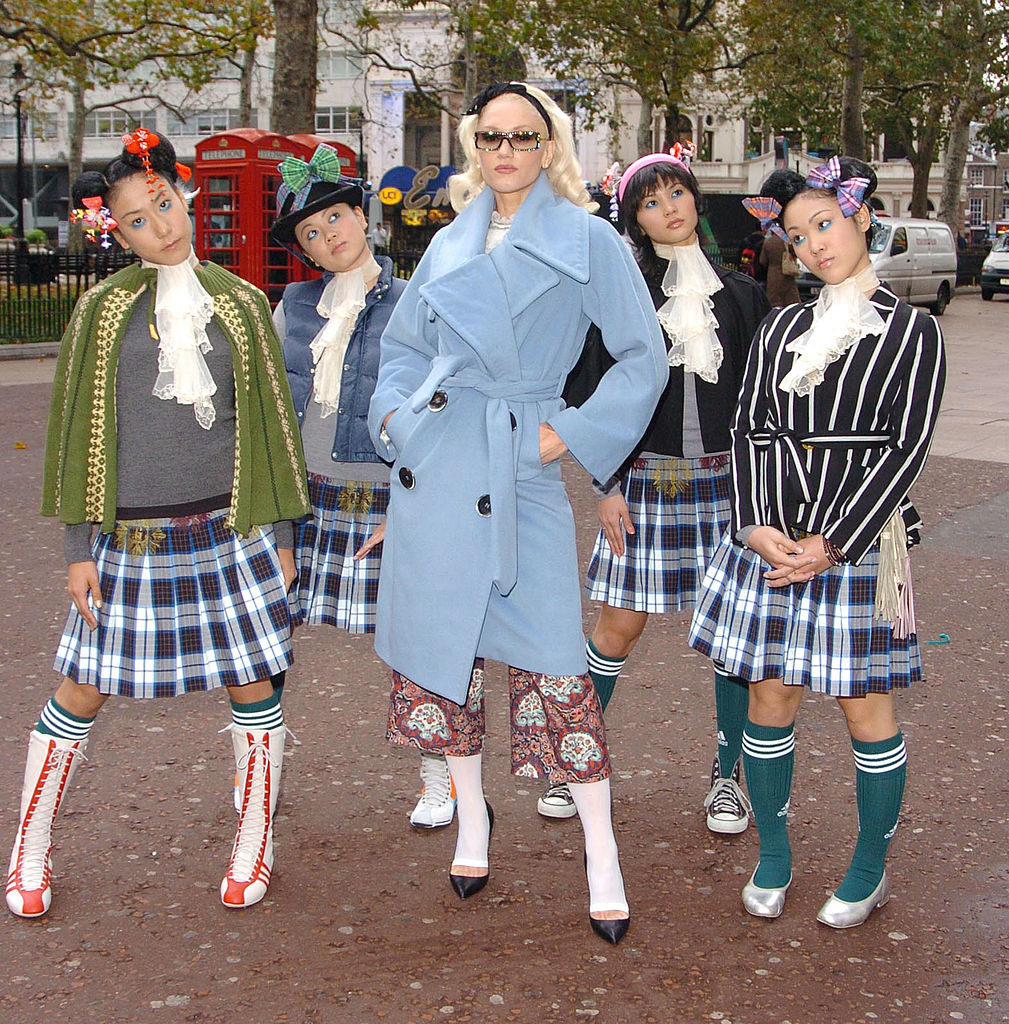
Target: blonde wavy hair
564, 172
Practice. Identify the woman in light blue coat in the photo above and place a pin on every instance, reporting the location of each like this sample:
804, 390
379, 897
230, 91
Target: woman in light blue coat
479, 557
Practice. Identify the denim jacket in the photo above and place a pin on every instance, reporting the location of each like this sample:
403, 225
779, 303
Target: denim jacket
301, 323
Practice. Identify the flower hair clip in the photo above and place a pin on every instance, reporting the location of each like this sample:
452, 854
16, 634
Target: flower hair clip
95, 219
767, 211
683, 152
140, 142
608, 186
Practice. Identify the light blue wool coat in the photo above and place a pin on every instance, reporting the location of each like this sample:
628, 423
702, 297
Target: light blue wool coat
496, 335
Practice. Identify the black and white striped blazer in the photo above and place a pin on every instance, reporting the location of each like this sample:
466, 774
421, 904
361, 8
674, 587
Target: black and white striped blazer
842, 459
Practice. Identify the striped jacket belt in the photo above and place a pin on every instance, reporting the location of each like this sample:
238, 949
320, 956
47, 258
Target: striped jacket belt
786, 447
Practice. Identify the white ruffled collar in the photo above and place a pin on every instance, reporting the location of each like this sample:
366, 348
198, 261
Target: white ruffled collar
688, 316
182, 310
340, 304
842, 316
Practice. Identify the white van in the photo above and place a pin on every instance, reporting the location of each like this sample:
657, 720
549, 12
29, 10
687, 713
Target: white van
915, 258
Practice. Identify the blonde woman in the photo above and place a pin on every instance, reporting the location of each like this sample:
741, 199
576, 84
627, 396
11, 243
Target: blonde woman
480, 555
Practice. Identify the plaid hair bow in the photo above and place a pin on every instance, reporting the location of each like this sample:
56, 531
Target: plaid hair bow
300, 175
767, 211
849, 191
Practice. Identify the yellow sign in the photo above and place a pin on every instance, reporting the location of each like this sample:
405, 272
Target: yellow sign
390, 195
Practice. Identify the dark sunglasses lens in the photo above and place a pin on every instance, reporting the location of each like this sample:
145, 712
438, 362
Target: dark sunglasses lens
525, 140
488, 140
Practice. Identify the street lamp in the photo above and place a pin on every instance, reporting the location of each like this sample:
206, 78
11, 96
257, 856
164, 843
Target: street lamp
20, 80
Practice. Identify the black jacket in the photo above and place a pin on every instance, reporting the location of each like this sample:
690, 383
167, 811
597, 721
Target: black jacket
740, 305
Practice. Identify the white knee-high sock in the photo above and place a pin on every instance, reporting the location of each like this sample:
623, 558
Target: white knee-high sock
471, 810
606, 884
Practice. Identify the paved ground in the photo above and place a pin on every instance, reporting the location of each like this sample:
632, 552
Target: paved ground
360, 924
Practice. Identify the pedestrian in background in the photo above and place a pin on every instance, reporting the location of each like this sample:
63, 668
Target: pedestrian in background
811, 588
781, 269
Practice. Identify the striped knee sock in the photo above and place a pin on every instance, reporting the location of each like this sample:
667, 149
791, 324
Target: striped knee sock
768, 759
263, 714
880, 771
732, 698
57, 721
604, 671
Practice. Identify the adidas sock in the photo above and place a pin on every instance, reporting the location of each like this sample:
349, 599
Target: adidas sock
57, 721
880, 771
768, 759
263, 714
605, 672
732, 699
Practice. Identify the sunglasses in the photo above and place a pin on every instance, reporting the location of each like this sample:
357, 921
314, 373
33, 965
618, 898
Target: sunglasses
520, 141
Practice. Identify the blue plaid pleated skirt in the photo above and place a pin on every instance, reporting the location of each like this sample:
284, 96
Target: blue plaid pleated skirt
331, 586
680, 509
819, 634
187, 605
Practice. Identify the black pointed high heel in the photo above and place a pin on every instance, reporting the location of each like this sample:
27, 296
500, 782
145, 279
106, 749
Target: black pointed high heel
610, 930
469, 885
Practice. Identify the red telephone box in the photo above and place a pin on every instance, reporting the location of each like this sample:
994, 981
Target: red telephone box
236, 173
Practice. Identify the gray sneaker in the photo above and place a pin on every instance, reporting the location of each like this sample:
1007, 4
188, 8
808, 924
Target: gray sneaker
726, 803
557, 802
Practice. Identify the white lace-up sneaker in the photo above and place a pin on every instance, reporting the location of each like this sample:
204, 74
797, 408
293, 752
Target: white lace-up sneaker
436, 806
50, 767
727, 805
557, 802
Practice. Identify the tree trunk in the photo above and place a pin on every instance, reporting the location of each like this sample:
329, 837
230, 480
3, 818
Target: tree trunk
75, 148
670, 125
852, 126
921, 159
645, 115
246, 71
950, 205
295, 61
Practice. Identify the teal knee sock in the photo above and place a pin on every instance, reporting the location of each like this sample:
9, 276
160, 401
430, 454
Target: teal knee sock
732, 698
768, 759
57, 721
604, 671
263, 714
880, 771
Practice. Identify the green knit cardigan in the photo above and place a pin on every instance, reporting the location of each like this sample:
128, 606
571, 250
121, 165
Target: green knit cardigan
79, 482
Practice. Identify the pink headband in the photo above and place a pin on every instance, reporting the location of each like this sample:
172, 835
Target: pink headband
675, 156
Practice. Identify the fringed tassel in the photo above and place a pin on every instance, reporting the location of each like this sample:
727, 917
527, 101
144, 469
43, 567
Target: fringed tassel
894, 593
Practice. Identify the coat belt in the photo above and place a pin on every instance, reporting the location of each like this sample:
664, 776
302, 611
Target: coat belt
452, 372
786, 446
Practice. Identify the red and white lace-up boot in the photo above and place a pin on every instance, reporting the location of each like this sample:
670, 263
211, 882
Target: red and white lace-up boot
51, 765
259, 756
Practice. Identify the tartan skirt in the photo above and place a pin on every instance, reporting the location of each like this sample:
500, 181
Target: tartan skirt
680, 509
819, 634
332, 587
187, 605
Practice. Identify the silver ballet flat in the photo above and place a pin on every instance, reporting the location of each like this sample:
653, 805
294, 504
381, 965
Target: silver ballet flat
764, 902
842, 914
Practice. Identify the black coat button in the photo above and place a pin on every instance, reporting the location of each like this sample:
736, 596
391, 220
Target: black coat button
483, 505
406, 478
438, 401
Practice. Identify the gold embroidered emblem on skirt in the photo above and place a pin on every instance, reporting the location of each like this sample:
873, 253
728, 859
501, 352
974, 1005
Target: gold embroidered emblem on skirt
355, 498
139, 538
672, 477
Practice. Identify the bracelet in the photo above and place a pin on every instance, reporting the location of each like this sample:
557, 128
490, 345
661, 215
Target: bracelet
834, 554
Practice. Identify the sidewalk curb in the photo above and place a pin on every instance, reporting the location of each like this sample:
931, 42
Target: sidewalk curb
30, 350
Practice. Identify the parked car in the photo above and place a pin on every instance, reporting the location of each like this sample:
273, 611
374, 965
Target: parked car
915, 258
995, 269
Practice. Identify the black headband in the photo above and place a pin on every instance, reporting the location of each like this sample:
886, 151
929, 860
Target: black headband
495, 89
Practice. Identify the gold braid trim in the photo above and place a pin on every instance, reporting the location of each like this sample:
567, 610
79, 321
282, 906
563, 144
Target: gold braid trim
672, 477
252, 301
75, 339
226, 310
117, 305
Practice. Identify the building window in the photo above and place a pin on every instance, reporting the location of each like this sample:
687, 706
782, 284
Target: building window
977, 175
109, 124
38, 126
337, 120
1005, 209
339, 64
977, 212
206, 122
